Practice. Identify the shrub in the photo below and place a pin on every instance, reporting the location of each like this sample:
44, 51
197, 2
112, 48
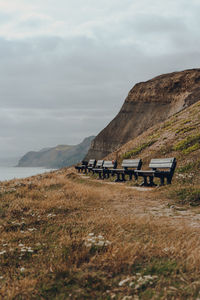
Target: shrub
188, 195
188, 144
137, 150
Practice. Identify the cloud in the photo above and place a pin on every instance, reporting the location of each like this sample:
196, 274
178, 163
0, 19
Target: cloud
66, 67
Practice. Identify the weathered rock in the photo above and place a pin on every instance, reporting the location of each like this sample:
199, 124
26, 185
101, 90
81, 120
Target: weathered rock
147, 104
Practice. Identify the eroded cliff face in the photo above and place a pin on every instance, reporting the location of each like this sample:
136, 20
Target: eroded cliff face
147, 104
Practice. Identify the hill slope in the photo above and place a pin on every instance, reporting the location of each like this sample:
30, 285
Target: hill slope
147, 104
178, 137
56, 157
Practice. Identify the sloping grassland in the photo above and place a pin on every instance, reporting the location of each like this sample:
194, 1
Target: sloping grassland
66, 236
177, 137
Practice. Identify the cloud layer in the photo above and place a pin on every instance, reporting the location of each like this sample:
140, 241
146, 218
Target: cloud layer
66, 66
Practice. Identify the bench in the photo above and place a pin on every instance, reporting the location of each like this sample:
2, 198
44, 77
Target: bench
108, 167
82, 167
91, 164
161, 168
129, 166
105, 169
98, 168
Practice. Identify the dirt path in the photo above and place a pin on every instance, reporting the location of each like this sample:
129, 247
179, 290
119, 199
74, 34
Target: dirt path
145, 202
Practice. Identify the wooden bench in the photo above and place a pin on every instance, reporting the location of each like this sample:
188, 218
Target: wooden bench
98, 168
129, 166
82, 167
91, 164
108, 167
158, 169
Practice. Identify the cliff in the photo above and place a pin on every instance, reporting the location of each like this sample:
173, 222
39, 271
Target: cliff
148, 103
56, 157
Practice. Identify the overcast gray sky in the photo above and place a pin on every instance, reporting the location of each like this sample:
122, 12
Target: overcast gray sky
66, 66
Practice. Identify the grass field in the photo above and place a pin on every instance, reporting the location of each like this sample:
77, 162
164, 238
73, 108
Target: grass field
65, 236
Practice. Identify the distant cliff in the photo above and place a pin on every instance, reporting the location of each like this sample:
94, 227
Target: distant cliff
147, 104
56, 157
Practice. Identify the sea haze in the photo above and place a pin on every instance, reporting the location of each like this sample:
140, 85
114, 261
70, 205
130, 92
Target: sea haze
8, 170
8, 173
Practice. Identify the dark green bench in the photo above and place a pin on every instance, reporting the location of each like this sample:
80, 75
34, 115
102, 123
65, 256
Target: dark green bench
162, 168
98, 168
91, 164
129, 166
82, 167
108, 167
105, 169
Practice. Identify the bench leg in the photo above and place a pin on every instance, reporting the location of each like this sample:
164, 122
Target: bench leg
169, 180
145, 183
118, 178
151, 183
123, 177
100, 175
162, 180
130, 177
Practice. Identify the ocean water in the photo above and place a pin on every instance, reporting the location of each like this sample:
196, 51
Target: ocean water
8, 173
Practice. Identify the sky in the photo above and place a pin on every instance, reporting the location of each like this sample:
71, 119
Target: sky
67, 66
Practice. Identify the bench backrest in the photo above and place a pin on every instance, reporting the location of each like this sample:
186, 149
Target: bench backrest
163, 163
84, 162
109, 164
92, 163
99, 163
132, 163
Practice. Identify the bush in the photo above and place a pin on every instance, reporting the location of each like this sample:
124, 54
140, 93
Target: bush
188, 196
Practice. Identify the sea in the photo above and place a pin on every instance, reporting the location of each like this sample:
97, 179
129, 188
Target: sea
8, 173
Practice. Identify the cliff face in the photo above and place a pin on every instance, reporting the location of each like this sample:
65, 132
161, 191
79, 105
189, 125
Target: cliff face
147, 104
56, 157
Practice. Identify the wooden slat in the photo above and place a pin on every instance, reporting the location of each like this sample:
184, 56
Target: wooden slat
91, 161
108, 164
134, 163
99, 163
162, 163
162, 160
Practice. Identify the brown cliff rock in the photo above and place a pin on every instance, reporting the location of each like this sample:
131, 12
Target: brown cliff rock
147, 104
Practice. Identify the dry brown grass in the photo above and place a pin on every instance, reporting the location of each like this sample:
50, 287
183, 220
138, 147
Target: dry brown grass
45, 252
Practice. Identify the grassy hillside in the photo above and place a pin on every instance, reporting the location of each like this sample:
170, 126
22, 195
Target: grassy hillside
64, 236
178, 137
70, 236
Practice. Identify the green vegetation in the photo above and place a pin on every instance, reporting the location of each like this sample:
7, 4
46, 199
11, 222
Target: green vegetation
188, 145
185, 129
187, 195
138, 149
187, 167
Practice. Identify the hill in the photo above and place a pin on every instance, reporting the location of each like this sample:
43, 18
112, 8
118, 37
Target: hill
148, 103
56, 157
65, 235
